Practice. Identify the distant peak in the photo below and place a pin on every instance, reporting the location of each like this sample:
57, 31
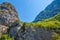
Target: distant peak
51, 10
6, 3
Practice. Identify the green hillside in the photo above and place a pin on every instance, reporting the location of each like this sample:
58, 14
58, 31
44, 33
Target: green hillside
52, 23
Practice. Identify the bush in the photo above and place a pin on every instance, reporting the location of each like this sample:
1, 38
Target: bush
6, 37
56, 36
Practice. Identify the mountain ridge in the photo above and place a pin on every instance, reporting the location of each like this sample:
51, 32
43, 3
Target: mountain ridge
49, 11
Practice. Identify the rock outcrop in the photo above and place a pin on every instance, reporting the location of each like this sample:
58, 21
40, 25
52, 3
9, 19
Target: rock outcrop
8, 17
36, 34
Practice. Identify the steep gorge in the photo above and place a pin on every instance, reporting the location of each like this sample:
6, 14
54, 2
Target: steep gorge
11, 28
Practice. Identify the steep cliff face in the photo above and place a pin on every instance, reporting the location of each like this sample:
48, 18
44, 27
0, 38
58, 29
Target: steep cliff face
8, 17
49, 11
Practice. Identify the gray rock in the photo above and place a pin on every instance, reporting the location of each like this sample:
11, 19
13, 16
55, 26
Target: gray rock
7, 15
37, 34
8, 19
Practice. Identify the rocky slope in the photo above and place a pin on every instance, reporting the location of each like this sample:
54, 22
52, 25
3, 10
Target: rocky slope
49, 11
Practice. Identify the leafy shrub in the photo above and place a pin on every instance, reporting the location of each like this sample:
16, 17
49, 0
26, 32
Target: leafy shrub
6, 37
56, 36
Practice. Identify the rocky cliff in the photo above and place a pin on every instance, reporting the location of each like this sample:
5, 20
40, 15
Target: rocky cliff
8, 17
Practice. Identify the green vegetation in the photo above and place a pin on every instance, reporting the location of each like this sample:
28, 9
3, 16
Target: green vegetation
52, 23
56, 36
6, 37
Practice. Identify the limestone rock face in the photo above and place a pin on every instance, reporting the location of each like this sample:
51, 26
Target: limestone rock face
8, 17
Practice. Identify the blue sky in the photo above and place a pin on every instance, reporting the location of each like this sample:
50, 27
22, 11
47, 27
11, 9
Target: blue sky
28, 9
